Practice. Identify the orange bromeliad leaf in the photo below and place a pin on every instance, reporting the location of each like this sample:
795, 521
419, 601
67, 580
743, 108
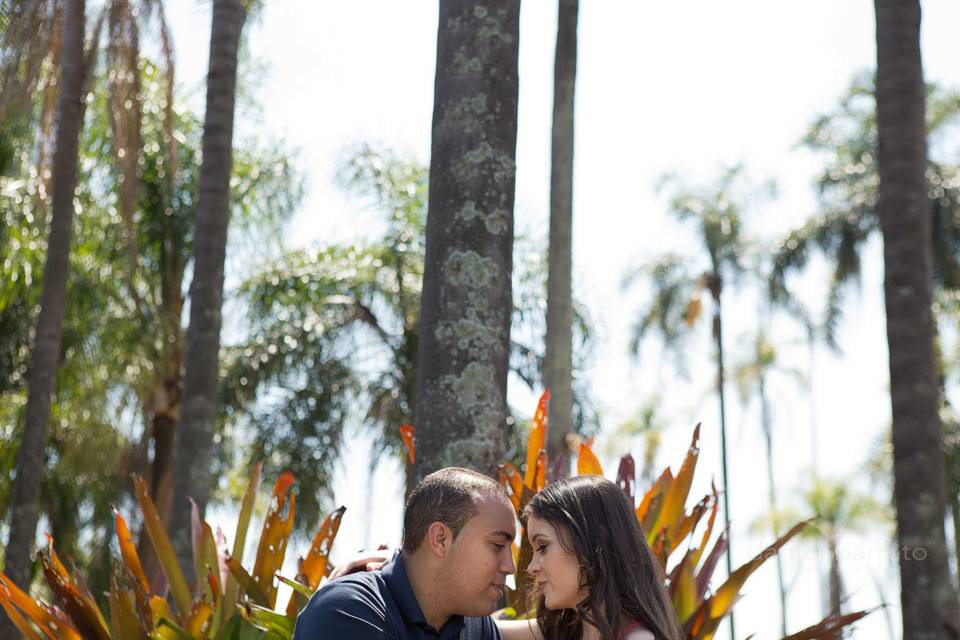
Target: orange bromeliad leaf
246, 582
240, 538
537, 439
672, 508
128, 552
205, 561
51, 626
317, 565
123, 616
277, 527
722, 601
650, 503
684, 589
510, 478
161, 544
715, 498
199, 618
24, 627
161, 611
689, 522
408, 433
627, 477
540, 478
587, 462
829, 627
82, 610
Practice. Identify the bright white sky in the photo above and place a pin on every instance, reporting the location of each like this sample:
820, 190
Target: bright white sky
688, 86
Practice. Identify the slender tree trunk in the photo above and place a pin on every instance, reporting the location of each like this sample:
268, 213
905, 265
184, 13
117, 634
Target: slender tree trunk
929, 601
955, 512
194, 445
772, 493
461, 407
24, 507
558, 363
716, 288
836, 578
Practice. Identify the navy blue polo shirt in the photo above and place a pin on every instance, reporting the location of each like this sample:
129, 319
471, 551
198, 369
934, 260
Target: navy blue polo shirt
371, 605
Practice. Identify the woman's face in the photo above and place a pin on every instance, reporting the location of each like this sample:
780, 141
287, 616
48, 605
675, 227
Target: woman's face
556, 570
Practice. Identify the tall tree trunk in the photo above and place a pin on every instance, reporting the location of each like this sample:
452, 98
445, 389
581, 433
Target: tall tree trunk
928, 599
558, 363
767, 424
23, 507
194, 444
836, 578
715, 285
955, 512
461, 406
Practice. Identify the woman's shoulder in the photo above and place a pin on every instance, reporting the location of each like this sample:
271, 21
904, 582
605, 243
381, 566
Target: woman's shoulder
638, 634
636, 631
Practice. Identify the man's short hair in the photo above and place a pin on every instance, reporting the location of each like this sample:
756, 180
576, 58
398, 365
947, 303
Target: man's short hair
449, 496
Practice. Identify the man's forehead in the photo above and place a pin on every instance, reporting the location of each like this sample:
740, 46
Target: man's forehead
495, 514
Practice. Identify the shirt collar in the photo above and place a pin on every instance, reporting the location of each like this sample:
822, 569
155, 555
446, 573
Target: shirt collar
395, 576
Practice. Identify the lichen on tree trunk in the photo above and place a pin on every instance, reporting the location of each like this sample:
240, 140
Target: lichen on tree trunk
466, 307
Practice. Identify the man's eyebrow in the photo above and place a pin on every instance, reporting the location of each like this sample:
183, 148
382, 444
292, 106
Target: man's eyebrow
504, 534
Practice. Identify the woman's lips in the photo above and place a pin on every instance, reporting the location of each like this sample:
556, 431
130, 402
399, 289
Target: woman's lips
541, 586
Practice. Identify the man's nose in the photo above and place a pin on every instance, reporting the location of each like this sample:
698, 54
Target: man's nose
508, 565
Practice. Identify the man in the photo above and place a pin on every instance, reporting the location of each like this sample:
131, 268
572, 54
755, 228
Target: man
445, 582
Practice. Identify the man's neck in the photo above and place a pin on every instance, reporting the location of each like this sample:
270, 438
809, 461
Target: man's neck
424, 586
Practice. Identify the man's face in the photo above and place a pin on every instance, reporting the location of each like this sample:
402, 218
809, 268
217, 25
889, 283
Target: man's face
481, 558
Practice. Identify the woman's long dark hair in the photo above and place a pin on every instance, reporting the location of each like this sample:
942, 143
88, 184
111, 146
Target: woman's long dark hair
624, 580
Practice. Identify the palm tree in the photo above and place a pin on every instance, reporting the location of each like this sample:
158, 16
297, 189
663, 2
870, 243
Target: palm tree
192, 462
848, 192
462, 359
752, 376
677, 291
928, 599
23, 507
558, 364
837, 509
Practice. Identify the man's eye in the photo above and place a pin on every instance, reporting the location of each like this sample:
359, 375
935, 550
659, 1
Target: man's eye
500, 547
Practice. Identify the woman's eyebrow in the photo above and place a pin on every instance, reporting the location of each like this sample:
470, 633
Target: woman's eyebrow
539, 535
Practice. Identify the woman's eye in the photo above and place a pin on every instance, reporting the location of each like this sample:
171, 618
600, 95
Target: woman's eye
541, 548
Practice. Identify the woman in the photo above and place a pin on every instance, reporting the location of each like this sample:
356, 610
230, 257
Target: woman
595, 576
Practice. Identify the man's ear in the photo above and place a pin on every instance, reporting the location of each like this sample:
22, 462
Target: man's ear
438, 539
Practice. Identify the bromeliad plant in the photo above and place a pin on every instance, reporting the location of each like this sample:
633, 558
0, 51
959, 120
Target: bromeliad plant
672, 531
226, 603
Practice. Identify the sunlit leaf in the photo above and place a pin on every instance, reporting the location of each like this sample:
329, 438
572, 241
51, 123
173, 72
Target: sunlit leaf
676, 498
650, 504
128, 552
512, 481
164, 550
408, 434
51, 626
587, 462
240, 537
277, 527
316, 564
246, 582
83, 611
627, 477
537, 439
